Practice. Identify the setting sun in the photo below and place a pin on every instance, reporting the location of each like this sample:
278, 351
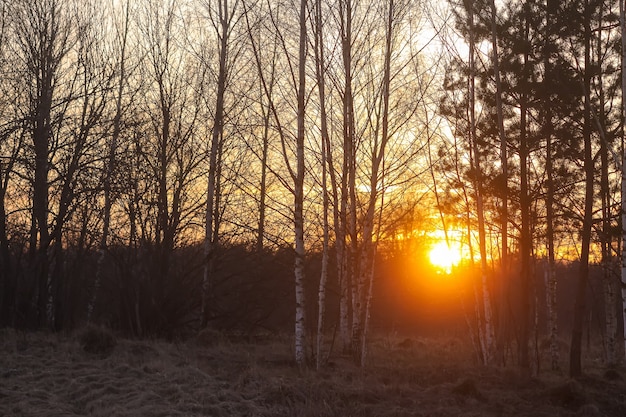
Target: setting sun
445, 256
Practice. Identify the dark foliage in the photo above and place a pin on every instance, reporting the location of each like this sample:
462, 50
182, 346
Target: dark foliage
97, 340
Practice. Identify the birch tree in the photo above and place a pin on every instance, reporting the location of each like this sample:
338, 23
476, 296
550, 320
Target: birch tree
368, 249
326, 162
81, 127
43, 40
298, 180
292, 147
111, 160
347, 235
167, 144
223, 20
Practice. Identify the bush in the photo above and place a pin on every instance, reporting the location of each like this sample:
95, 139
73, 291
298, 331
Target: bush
97, 340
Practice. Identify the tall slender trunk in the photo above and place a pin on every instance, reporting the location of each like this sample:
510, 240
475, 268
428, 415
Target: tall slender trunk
325, 147
525, 243
581, 290
321, 299
300, 328
211, 237
605, 235
42, 132
550, 267
7, 283
368, 251
525, 208
485, 301
110, 169
349, 302
622, 20
263, 184
8, 280
503, 322
476, 333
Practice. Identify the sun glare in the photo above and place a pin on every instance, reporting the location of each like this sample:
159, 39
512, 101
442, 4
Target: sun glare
445, 256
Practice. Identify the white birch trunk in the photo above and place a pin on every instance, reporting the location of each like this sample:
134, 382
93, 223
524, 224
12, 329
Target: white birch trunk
344, 304
365, 278
610, 316
321, 299
300, 330
325, 147
368, 308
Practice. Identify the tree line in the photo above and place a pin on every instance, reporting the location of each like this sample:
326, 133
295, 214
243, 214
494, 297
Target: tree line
165, 162
538, 103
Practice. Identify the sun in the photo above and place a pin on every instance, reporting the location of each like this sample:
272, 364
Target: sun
445, 256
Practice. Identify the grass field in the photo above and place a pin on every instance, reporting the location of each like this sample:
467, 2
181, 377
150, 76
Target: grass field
90, 374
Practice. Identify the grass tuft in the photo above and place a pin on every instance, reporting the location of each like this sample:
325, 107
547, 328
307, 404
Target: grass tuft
612, 375
467, 388
97, 340
569, 395
209, 337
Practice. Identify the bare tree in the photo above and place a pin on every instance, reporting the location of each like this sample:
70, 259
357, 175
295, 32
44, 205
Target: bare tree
223, 20
291, 146
320, 70
168, 145
10, 145
43, 39
298, 178
110, 168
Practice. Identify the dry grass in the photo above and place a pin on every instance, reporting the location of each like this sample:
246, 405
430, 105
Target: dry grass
54, 375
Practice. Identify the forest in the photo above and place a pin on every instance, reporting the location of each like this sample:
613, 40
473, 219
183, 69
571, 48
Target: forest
328, 169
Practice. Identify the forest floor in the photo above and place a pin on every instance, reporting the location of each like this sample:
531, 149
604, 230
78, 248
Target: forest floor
85, 374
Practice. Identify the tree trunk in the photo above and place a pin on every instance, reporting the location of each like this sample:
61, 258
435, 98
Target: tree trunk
368, 250
349, 323
325, 147
581, 290
550, 271
525, 208
487, 332
503, 319
263, 184
110, 168
605, 235
300, 329
8, 279
622, 17
211, 237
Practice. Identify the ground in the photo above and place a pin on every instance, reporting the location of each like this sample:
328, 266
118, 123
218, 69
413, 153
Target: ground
85, 374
